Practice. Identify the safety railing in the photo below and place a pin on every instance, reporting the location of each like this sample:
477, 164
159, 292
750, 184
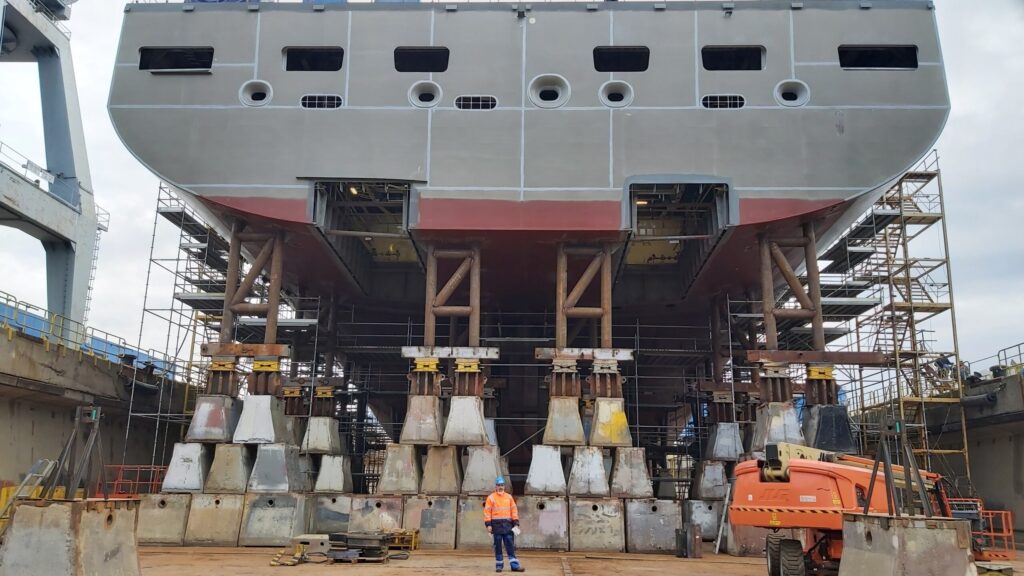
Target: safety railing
42, 9
53, 184
992, 531
126, 482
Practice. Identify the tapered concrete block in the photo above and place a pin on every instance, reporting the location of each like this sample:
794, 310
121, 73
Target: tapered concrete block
401, 473
492, 432
214, 520
710, 481
564, 427
423, 421
262, 422
544, 521
322, 436
471, 534
214, 419
162, 519
335, 475
277, 470
441, 474
435, 517
375, 513
273, 519
705, 514
630, 478
465, 426
776, 422
588, 476
331, 513
231, 469
651, 525
188, 469
483, 466
546, 476
827, 427
724, 442
609, 426
597, 525
750, 541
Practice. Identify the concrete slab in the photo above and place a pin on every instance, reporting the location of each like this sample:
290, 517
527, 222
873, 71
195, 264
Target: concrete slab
483, 466
423, 421
470, 532
79, 538
441, 474
188, 468
609, 426
465, 426
828, 428
214, 419
776, 422
725, 442
651, 525
162, 519
704, 514
547, 475
335, 475
630, 478
401, 473
278, 470
214, 520
273, 519
321, 437
231, 469
564, 426
492, 431
588, 476
262, 422
906, 547
544, 521
331, 513
597, 525
435, 517
375, 513
710, 481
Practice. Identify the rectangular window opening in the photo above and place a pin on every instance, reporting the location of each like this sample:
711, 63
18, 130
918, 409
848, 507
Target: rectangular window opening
314, 59
885, 57
180, 59
421, 58
476, 102
621, 58
733, 57
321, 101
717, 101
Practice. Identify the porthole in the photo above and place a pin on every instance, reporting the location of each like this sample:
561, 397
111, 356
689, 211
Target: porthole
616, 94
256, 93
792, 93
425, 94
549, 91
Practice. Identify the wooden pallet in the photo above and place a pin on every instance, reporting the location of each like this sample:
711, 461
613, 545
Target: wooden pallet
405, 540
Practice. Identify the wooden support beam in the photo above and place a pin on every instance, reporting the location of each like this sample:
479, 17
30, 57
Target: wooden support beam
227, 322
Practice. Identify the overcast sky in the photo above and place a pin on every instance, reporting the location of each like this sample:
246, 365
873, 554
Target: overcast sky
981, 150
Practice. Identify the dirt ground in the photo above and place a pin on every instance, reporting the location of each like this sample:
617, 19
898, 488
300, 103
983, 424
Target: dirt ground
256, 562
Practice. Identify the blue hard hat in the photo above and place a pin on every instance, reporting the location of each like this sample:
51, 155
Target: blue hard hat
500, 481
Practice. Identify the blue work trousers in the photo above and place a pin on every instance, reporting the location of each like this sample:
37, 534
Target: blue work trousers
509, 540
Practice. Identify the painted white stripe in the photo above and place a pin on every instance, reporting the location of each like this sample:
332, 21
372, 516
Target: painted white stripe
540, 110
256, 57
348, 55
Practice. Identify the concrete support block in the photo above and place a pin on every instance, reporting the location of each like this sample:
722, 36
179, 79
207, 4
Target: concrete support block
231, 469
441, 474
881, 546
375, 513
78, 538
465, 426
630, 478
331, 513
214, 520
214, 419
162, 519
278, 469
423, 421
492, 432
564, 427
335, 475
470, 533
482, 468
188, 469
262, 422
322, 436
544, 521
609, 426
401, 473
827, 427
546, 476
435, 517
725, 442
749, 541
597, 525
651, 525
705, 514
776, 422
273, 519
588, 476
710, 481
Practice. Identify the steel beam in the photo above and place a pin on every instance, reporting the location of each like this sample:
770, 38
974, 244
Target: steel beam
815, 356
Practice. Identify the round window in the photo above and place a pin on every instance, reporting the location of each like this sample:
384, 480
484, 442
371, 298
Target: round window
425, 94
256, 93
549, 91
792, 93
616, 94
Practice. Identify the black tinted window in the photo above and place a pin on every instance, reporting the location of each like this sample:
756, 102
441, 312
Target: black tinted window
320, 59
621, 58
733, 57
421, 59
175, 58
904, 57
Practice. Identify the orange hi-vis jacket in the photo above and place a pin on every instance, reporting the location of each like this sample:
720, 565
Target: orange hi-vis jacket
500, 506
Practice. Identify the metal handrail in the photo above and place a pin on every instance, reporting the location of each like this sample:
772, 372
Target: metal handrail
36, 174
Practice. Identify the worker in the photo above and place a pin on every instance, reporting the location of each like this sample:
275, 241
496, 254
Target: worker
502, 520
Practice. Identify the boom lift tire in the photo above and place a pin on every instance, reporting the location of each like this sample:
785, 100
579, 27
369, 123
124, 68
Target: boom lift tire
791, 558
772, 551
